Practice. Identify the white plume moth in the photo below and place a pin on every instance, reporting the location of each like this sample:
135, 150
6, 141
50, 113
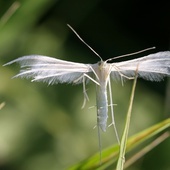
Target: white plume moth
153, 67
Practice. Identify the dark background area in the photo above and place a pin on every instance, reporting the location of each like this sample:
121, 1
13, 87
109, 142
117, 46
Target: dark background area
43, 127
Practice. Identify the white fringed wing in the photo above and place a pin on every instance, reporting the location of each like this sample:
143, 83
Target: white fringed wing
153, 67
50, 70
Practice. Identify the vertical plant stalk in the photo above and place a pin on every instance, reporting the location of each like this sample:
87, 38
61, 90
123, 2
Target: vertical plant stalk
121, 159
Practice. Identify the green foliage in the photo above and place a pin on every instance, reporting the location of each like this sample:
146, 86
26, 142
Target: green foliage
111, 154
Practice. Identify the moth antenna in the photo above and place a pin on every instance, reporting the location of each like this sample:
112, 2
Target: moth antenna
84, 42
125, 55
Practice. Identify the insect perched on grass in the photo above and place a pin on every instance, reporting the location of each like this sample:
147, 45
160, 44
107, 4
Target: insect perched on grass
152, 67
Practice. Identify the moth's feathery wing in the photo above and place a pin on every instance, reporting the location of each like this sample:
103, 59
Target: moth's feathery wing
50, 70
153, 67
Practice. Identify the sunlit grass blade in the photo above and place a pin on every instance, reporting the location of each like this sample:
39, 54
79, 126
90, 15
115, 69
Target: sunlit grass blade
123, 143
110, 154
146, 149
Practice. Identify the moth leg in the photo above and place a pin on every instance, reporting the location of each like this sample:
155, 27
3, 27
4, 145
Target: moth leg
94, 72
91, 107
84, 92
86, 75
122, 75
84, 88
83, 77
91, 79
112, 105
112, 112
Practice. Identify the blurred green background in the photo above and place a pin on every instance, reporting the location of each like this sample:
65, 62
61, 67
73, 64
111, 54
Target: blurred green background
43, 127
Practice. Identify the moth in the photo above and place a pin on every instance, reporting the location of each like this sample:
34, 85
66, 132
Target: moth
153, 67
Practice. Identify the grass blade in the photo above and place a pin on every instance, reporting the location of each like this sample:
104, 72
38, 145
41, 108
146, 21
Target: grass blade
146, 149
121, 159
110, 154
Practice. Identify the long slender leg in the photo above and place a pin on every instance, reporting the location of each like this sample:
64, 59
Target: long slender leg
84, 87
85, 75
121, 74
91, 79
86, 98
94, 72
112, 112
85, 94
